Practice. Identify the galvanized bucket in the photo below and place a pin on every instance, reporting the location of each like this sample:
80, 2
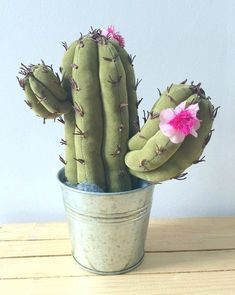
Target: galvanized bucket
107, 230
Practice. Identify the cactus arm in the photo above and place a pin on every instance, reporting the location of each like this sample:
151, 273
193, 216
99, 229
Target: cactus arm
48, 99
116, 118
131, 88
157, 150
33, 102
88, 114
169, 99
187, 154
46, 76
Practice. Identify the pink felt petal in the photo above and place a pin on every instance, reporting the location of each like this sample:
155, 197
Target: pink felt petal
167, 129
177, 138
180, 107
194, 133
166, 115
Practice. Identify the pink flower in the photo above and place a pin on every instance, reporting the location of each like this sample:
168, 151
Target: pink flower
179, 122
111, 33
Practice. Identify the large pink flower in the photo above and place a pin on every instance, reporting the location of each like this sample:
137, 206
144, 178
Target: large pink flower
179, 122
111, 33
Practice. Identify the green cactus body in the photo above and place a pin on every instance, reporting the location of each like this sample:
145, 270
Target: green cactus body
188, 153
34, 103
88, 114
116, 119
69, 119
174, 95
131, 88
157, 150
51, 95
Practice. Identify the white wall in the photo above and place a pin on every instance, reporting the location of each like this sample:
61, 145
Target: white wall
173, 40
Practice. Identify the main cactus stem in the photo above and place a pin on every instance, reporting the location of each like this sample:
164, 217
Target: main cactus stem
97, 99
98, 78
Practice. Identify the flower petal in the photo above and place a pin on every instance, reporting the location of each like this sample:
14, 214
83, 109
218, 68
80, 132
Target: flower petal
177, 138
193, 108
180, 107
167, 129
166, 115
193, 133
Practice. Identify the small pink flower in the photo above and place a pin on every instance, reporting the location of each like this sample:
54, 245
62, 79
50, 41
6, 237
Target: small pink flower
111, 33
179, 122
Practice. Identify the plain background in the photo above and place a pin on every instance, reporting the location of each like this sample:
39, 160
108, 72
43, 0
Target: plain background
172, 40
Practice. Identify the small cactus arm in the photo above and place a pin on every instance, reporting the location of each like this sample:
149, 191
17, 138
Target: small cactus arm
160, 159
44, 94
157, 150
175, 94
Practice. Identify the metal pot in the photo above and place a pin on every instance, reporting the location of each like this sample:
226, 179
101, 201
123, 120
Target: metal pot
107, 230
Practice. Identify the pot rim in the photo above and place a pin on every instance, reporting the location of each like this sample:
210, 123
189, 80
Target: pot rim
60, 177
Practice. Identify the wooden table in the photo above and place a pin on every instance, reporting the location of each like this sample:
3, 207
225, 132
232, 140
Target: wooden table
192, 256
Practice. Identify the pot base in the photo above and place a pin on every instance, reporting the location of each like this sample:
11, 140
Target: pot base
111, 272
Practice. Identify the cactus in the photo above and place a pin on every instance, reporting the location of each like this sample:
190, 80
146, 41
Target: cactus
97, 96
97, 103
159, 159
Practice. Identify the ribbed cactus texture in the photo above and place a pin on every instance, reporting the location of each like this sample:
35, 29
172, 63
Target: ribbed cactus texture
153, 156
97, 103
98, 99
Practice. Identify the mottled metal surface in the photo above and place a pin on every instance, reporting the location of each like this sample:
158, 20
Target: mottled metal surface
107, 230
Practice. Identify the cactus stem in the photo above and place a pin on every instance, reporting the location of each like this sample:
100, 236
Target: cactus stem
81, 161
131, 58
61, 120
65, 45
159, 92
62, 160
169, 87
183, 82
58, 77
182, 176
139, 102
28, 103
114, 82
199, 160
63, 142
78, 109
208, 138
40, 98
137, 84
117, 151
74, 85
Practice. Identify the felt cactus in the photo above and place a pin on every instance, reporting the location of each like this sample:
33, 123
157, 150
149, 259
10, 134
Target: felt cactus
97, 96
97, 103
157, 157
